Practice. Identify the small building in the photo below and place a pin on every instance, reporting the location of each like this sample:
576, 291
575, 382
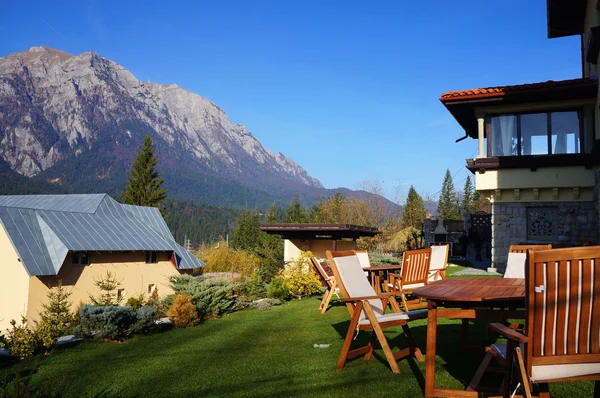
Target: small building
76, 239
538, 145
318, 238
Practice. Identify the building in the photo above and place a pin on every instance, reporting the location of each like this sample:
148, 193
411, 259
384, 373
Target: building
538, 148
76, 239
317, 238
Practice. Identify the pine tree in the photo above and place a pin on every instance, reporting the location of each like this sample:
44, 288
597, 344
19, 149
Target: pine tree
144, 188
448, 203
296, 213
414, 211
467, 199
245, 235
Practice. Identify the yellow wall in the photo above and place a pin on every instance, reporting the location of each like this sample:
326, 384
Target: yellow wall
129, 267
14, 283
317, 247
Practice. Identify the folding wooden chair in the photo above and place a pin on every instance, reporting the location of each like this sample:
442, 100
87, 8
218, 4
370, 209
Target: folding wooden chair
367, 311
438, 263
329, 280
363, 257
563, 328
515, 264
414, 274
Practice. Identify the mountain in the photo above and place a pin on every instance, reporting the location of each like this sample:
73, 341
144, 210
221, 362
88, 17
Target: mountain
76, 122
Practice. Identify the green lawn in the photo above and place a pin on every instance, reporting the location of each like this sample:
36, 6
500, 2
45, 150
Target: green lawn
255, 354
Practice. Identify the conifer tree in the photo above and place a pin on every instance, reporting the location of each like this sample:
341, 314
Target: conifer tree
296, 213
145, 184
414, 211
448, 203
467, 199
245, 235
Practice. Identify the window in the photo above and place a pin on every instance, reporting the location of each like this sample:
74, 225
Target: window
541, 223
151, 288
80, 258
120, 294
542, 133
151, 257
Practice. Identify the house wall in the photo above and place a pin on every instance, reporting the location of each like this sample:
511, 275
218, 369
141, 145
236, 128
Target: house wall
291, 248
576, 223
14, 283
128, 267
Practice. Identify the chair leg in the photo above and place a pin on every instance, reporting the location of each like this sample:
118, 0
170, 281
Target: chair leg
414, 348
523, 373
325, 301
382, 339
349, 337
369, 353
474, 383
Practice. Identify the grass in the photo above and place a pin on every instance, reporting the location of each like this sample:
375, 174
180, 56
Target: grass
255, 354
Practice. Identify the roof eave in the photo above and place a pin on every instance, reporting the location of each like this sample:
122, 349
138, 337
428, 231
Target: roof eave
565, 17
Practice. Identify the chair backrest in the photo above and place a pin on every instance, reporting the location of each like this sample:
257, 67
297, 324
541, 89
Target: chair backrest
562, 303
439, 257
322, 273
351, 279
515, 264
415, 266
363, 258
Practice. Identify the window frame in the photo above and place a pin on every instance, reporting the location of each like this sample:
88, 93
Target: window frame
151, 256
77, 255
548, 113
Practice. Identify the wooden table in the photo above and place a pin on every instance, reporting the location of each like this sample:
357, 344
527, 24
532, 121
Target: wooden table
376, 271
466, 298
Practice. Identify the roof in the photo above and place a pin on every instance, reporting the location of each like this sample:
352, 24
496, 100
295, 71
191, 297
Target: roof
44, 228
461, 103
319, 231
565, 17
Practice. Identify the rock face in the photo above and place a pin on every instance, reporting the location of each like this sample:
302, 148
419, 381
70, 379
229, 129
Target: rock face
56, 107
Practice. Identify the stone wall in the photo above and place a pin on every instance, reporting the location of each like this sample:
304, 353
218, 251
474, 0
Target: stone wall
576, 223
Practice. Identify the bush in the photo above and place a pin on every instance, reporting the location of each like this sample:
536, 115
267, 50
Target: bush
145, 319
21, 341
266, 304
255, 287
136, 302
111, 322
299, 276
108, 286
224, 258
56, 319
182, 312
278, 289
210, 298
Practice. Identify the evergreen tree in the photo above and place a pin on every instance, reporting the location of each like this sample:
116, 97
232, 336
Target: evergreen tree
145, 184
296, 213
245, 235
272, 216
467, 199
448, 203
414, 211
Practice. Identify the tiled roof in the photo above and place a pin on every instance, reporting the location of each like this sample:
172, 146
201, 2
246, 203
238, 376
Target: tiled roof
517, 89
44, 228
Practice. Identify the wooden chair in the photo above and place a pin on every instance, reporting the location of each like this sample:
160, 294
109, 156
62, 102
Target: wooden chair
515, 264
414, 274
329, 281
367, 312
563, 328
438, 263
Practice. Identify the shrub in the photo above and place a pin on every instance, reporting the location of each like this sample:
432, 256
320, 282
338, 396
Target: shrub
108, 285
223, 258
182, 312
110, 322
21, 341
56, 318
136, 302
145, 318
210, 298
266, 304
2, 341
278, 289
299, 276
255, 287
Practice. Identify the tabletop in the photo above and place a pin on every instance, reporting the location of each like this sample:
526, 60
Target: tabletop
383, 267
474, 289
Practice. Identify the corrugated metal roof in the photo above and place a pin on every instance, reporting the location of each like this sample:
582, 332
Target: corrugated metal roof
43, 228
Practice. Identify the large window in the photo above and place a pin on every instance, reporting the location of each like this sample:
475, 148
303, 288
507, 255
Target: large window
542, 133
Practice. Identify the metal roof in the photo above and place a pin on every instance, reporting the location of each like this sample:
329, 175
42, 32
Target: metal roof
44, 228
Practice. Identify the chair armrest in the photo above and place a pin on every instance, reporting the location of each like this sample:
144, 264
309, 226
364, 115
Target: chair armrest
380, 297
509, 333
395, 275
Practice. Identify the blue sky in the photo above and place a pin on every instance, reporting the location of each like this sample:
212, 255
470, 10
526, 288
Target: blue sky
348, 89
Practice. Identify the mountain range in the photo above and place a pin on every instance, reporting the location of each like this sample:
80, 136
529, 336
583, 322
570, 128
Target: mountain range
74, 123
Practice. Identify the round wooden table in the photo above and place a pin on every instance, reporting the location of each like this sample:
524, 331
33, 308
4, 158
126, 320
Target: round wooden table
466, 298
376, 272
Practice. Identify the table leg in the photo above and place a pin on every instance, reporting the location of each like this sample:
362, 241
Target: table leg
431, 342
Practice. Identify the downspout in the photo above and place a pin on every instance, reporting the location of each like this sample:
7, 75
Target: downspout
462, 138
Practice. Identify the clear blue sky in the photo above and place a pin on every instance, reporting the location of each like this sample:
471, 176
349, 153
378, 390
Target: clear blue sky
348, 89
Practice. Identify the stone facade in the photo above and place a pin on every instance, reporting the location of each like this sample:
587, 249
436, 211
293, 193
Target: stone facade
575, 223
